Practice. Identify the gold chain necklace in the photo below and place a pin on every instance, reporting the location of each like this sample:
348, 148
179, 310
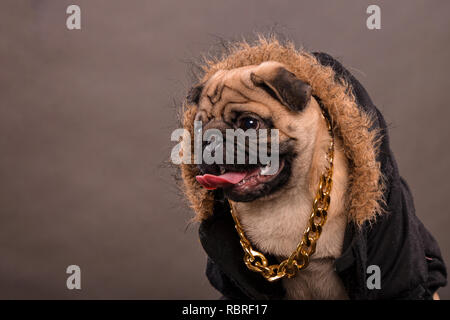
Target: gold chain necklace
299, 259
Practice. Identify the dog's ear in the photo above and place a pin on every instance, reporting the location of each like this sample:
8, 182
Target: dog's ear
282, 85
194, 94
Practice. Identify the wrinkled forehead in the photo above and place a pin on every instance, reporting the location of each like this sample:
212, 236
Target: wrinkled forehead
229, 86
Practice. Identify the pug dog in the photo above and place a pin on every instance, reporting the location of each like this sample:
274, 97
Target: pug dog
311, 102
275, 208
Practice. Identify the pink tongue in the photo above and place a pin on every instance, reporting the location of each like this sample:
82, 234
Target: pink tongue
211, 182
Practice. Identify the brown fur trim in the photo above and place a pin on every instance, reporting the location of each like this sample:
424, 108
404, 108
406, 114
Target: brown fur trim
201, 199
349, 122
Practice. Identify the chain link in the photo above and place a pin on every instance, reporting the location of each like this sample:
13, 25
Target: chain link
299, 259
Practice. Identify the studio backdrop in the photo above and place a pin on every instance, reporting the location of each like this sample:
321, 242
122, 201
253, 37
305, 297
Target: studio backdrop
87, 111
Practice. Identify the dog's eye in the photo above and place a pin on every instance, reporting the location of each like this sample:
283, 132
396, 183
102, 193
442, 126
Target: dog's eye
248, 123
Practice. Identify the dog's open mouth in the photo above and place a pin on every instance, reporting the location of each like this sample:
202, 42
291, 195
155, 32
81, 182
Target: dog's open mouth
239, 182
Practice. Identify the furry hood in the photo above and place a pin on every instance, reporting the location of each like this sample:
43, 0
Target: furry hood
354, 121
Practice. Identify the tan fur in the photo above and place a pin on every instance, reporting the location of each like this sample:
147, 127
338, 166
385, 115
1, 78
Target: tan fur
317, 282
350, 124
276, 226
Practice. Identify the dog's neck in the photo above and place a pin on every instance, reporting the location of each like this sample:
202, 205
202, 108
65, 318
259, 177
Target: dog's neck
276, 225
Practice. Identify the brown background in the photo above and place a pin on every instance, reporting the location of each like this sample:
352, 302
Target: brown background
86, 117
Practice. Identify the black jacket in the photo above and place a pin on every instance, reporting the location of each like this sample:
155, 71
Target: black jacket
408, 256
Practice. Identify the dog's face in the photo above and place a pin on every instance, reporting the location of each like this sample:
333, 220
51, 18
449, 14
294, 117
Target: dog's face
267, 96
